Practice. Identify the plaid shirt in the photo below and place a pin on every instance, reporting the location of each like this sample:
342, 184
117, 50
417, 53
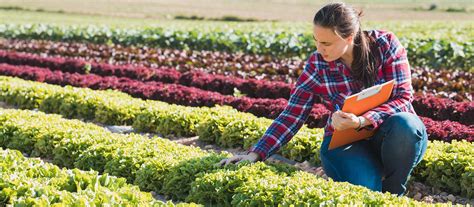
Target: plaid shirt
333, 82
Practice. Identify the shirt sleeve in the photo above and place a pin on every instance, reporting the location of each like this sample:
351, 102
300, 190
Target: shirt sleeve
287, 124
396, 67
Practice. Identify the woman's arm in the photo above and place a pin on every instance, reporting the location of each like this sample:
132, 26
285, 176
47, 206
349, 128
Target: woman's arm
287, 124
396, 67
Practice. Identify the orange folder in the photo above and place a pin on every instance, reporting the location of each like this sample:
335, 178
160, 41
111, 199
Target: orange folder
358, 104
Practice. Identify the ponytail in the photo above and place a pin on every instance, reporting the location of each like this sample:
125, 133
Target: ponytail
364, 66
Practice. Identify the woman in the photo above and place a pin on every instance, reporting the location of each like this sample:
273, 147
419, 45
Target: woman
348, 60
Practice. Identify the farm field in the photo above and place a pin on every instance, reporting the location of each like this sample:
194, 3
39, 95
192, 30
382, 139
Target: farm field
127, 105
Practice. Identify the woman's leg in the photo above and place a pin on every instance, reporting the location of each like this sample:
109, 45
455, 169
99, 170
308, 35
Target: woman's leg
400, 143
354, 163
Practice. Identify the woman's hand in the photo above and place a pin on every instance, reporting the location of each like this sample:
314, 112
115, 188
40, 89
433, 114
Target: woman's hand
252, 157
342, 120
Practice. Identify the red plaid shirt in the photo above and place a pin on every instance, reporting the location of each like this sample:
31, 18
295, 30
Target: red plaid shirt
332, 81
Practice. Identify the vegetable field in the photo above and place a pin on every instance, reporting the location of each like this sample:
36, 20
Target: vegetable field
63, 87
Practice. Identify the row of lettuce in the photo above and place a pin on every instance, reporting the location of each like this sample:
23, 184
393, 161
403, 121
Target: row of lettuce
179, 172
433, 53
33, 182
189, 96
446, 165
451, 30
425, 105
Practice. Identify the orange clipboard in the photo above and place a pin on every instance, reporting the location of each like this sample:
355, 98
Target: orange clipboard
358, 104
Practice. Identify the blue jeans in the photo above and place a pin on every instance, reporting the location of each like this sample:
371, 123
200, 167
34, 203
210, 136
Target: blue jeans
392, 153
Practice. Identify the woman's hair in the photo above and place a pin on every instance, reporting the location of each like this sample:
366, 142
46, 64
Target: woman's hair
344, 21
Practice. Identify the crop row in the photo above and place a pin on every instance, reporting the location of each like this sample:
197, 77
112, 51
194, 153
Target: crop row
453, 84
245, 66
237, 64
433, 53
33, 182
426, 105
445, 165
180, 172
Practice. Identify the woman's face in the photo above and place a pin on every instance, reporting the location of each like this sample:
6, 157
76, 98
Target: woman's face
330, 45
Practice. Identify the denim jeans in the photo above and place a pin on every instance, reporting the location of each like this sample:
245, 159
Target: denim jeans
382, 162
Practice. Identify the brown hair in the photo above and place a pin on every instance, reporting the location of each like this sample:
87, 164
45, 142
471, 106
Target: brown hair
345, 20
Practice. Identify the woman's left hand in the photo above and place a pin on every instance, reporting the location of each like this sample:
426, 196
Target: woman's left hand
342, 120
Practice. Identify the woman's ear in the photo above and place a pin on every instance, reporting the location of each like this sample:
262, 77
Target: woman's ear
350, 39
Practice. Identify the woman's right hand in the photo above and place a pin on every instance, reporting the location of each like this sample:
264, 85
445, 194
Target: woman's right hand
252, 157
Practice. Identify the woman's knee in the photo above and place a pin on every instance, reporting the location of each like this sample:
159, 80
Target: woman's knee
405, 137
329, 168
365, 172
